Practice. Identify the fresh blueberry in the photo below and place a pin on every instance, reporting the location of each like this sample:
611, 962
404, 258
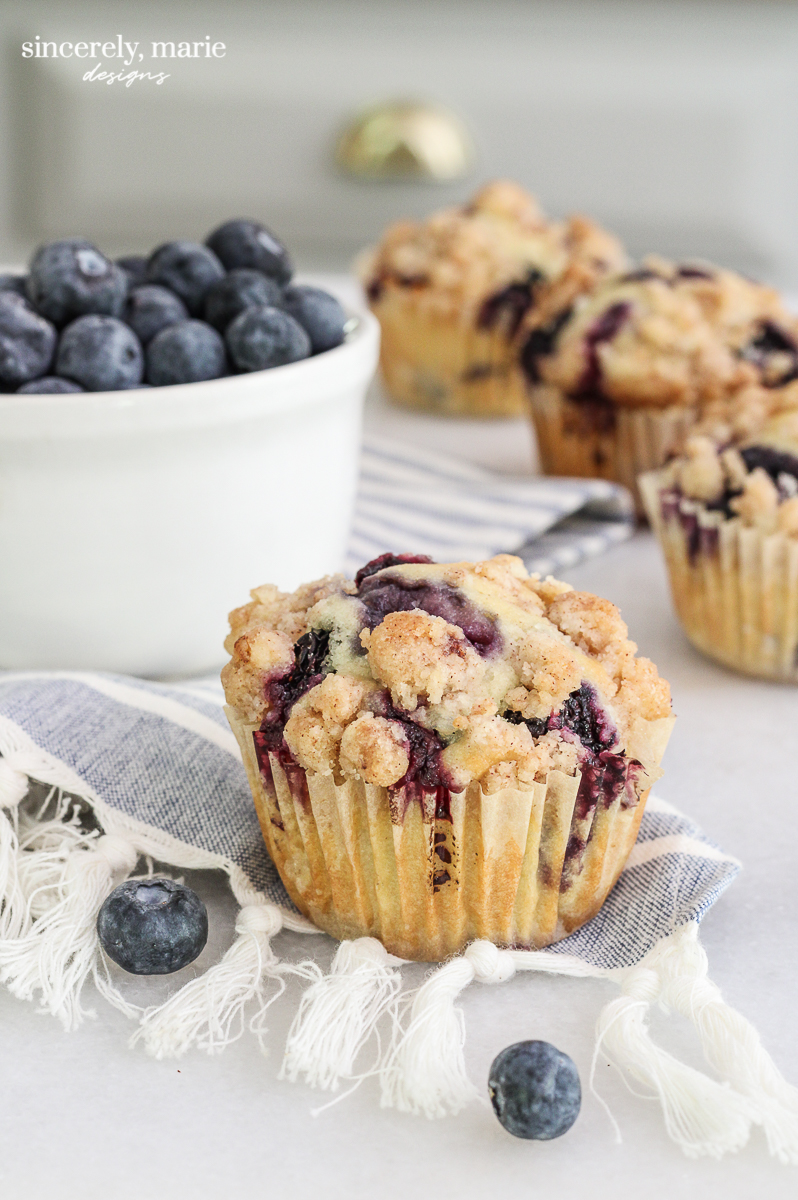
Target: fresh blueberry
238, 290
185, 353
151, 308
14, 283
535, 1090
266, 337
51, 385
101, 354
247, 244
27, 341
135, 267
70, 278
152, 926
319, 314
187, 268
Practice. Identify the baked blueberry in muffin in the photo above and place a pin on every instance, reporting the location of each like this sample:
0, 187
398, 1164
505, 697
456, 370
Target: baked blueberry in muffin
618, 378
726, 513
453, 292
442, 752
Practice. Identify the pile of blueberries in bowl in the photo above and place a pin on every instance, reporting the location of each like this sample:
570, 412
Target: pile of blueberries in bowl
80, 322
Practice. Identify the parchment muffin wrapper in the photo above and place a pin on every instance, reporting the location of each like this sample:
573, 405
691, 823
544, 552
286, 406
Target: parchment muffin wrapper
426, 872
440, 363
734, 588
605, 441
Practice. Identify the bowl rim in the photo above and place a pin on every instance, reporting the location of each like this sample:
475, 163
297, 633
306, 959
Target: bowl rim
211, 401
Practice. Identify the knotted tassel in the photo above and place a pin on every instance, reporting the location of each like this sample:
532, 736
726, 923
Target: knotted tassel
339, 1012
208, 1012
730, 1042
425, 1071
60, 950
13, 914
701, 1115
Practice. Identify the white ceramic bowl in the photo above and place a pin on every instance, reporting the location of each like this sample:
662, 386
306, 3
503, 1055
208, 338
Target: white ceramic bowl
132, 522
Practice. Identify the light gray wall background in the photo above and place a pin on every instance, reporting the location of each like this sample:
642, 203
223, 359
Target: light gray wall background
674, 123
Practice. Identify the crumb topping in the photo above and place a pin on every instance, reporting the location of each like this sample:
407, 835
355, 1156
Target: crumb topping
411, 693
665, 335
754, 480
490, 260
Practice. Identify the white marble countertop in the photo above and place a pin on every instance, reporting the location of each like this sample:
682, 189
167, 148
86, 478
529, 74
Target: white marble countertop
82, 1116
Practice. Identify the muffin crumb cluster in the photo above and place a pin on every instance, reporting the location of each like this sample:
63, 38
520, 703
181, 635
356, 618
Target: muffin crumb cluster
416, 685
756, 482
678, 335
456, 259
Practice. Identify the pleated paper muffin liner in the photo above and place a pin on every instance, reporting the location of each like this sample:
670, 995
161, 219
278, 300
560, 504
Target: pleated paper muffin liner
442, 364
591, 440
735, 589
428, 871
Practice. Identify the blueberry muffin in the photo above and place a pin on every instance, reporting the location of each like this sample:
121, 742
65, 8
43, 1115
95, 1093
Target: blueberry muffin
452, 292
444, 752
618, 379
726, 514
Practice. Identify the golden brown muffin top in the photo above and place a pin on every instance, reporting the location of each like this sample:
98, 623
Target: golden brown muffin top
753, 479
443, 674
666, 334
460, 262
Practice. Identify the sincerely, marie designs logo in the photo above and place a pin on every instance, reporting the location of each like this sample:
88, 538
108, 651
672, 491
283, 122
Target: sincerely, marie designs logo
125, 54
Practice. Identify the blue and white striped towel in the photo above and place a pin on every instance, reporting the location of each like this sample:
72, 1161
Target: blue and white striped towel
124, 769
417, 500
164, 755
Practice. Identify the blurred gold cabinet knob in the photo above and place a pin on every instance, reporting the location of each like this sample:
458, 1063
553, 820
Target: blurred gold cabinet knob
402, 140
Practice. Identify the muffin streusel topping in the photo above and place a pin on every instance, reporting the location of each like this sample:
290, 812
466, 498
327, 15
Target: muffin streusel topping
754, 480
665, 335
440, 675
460, 261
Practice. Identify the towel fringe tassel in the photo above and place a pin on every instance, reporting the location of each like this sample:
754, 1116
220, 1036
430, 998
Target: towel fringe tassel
339, 1012
54, 876
209, 1012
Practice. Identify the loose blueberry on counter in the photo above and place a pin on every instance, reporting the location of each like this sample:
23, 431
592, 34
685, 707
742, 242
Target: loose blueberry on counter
151, 308
101, 354
535, 1090
27, 341
187, 352
152, 926
243, 243
240, 289
49, 385
71, 278
266, 337
13, 283
319, 314
135, 267
187, 268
